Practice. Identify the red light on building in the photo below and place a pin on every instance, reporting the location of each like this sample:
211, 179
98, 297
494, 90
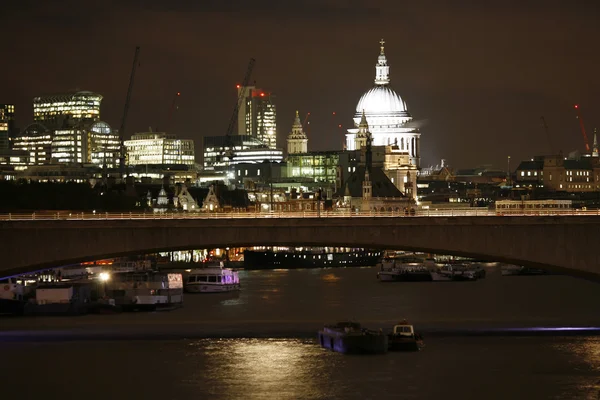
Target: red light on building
576, 106
237, 86
178, 93
262, 95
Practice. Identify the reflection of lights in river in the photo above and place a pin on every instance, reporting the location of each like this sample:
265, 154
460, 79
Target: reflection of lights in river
330, 278
265, 366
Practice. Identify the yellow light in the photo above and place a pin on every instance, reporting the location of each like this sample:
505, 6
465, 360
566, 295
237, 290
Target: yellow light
104, 276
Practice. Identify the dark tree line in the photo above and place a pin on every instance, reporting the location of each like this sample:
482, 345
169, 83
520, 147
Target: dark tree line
17, 196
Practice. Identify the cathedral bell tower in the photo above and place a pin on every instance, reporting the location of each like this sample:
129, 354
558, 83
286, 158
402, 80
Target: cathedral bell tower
297, 141
360, 140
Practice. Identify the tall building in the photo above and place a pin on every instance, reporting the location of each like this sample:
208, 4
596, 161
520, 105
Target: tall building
260, 116
297, 142
7, 125
159, 148
36, 139
387, 116
220, 153
62, 111
88, 144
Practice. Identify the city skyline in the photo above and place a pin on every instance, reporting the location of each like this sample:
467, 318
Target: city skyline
480, 77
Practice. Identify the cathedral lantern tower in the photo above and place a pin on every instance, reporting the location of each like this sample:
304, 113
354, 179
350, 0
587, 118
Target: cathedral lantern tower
297, 141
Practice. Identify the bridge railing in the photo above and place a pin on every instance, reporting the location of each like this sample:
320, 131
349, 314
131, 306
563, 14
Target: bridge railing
475, 212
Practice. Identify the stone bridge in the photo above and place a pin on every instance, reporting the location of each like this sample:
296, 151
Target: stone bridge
564, 244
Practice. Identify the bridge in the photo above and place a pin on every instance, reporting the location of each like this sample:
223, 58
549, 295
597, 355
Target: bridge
562, 243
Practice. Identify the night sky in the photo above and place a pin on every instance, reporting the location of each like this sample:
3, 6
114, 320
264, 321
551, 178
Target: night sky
479, 75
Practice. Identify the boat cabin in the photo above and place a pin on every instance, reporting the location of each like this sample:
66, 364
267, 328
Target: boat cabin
404, 330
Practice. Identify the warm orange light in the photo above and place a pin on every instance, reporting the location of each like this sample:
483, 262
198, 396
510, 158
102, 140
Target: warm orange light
178, 94
340, 125
237, 86
262, 95
333, 113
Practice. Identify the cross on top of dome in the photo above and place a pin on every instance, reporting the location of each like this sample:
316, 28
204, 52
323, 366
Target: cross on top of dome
382, 42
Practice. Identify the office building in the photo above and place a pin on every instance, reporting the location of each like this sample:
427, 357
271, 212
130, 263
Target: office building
259, 116
159, 148
7, 125
63, 111
36, 139
220, 152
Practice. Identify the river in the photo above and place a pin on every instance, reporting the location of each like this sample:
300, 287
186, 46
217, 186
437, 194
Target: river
260, 343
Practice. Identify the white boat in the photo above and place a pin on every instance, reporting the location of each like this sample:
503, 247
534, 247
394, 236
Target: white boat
404, 272
147, 289
454, 273
212, 279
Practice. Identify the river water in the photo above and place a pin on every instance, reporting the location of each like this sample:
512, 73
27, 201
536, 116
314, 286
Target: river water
260, 343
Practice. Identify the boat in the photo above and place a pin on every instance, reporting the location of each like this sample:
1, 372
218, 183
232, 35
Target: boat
212, 279
11, 296
453, 272
516, 270
350, 338
393, 270
145, 290
317, 258
404, 338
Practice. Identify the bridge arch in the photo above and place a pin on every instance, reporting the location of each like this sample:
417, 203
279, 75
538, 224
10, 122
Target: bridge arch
564, 244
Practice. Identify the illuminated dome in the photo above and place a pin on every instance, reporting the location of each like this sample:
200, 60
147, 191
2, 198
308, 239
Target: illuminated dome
380, 100
383, 112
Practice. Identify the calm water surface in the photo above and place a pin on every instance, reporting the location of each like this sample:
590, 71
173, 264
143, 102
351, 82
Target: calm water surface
269, 351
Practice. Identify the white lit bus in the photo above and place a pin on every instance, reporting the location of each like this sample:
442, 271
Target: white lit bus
533, 207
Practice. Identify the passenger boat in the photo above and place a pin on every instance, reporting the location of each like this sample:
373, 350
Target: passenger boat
404, 338
147, 289
350, 338
311, 258
212, 279
453, 272
392, 270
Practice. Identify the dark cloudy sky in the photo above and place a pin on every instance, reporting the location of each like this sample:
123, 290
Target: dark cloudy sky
480, 75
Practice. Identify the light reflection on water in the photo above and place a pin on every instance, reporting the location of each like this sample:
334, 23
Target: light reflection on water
259, 367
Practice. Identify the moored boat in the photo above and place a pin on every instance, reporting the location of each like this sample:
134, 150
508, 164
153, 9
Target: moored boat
400, 272
404, 338
212, 279
516, 270
350, 338
454, 273
145, 290
310, 258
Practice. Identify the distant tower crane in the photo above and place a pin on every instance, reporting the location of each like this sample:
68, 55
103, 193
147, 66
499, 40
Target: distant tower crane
126, 110
545, 126
236, 109
174, 107
585, 138
306, 123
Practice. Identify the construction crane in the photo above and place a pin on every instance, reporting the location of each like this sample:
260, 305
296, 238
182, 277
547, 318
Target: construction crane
582, 126
172, 110
545, 126
126, 110
236, 109
306, 123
